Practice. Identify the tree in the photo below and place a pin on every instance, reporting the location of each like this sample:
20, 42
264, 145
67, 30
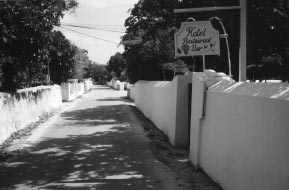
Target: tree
268, 40
268, 35
98, 73
61, 58
80, 63
153, 21
117, 66
25, 36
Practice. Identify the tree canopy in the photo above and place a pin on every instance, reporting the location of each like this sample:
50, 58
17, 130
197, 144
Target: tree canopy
81, 63
116, 66
98, 73
62, 57
152, 21
26, 39
152, 25
268, 40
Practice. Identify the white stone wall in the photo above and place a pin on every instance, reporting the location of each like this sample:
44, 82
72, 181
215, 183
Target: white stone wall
72, 89
117, 85
165, 103
242, 140
16, 112
80, 89
131, 92
87, 85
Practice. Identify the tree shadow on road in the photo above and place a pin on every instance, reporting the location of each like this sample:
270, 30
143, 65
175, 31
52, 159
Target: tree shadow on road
100, 113
96, 153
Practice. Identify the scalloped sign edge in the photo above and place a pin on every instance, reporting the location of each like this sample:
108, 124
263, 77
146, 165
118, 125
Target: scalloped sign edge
196, 39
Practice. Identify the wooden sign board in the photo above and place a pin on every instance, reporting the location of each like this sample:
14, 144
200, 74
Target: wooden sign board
197, 38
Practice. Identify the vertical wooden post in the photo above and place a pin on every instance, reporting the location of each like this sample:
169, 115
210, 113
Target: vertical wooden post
243, 42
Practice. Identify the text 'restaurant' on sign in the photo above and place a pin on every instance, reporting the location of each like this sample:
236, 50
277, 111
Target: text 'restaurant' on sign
197, 38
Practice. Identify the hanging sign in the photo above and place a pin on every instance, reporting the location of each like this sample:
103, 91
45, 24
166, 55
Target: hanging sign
197, 38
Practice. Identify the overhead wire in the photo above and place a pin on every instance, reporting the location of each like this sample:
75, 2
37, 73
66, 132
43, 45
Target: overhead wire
101, 25
108, 30
89, 35
92, 28
98, 26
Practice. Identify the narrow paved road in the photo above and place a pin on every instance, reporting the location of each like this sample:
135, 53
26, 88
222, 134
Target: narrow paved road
95, 144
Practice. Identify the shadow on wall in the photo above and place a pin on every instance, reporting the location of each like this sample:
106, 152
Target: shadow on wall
268, 90
93, 156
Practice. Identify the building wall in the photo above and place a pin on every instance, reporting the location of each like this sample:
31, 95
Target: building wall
244, 136
25, 107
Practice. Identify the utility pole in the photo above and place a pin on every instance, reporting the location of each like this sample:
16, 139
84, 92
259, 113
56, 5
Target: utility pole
243, 42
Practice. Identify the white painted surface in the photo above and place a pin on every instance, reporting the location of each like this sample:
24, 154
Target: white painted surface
165, 103
266, 90
68, 91
80, 89
154, 99
196, 116
17, 113
71, 90
87, 85
244, 137
131, 92
117, 85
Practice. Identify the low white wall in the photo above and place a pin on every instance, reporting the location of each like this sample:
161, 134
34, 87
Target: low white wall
87, 85
109, 83
71, 90
244, 135
80, 89
131, 92
68, 91
25, 107
154, 99
166, 105
117, 85
90, 84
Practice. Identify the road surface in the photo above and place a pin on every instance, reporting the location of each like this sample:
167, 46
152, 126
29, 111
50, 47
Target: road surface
96, 143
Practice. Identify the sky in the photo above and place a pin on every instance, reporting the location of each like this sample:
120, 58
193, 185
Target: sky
102, 15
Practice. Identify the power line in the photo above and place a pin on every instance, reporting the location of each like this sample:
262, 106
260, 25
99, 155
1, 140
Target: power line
98, 26
89, 35
102, 25
77, 26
